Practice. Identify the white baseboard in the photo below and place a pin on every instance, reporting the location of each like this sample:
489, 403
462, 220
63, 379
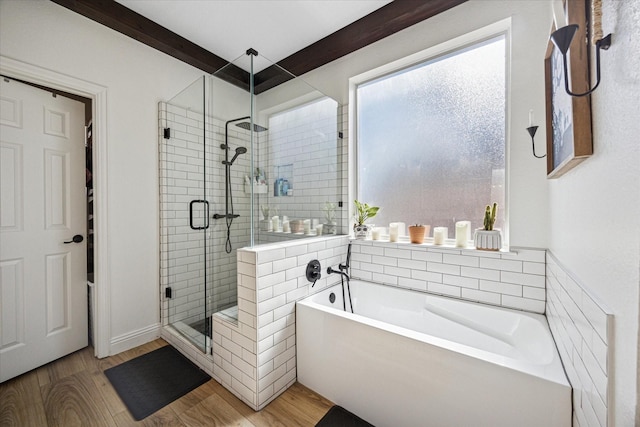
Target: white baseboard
134, 339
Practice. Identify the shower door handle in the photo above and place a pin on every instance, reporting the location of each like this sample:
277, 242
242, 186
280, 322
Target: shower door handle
206, 215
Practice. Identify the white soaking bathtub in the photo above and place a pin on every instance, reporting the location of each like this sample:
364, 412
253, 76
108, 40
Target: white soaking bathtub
412, 359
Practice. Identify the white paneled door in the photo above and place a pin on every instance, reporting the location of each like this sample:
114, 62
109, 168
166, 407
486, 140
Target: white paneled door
43, 284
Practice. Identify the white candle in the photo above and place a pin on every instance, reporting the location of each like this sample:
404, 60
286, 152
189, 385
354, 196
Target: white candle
530, 118
285, 227
319, 229
275, 223
439, 235
375, 233
463, 233
402, 230
393, 232
307, 226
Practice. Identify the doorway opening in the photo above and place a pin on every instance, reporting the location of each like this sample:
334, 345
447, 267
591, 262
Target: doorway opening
89, 191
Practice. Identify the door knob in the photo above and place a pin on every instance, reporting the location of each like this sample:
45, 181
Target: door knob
76, 239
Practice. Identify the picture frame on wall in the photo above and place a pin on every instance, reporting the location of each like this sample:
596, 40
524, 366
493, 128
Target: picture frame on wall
569, 137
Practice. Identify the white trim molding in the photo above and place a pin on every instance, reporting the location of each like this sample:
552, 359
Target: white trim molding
135, 338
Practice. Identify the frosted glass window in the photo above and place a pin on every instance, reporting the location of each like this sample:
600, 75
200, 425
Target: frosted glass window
431, 139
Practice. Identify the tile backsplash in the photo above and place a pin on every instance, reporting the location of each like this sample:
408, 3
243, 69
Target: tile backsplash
514, 279
583, 331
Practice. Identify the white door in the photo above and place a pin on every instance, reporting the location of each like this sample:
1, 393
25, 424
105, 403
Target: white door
43, 285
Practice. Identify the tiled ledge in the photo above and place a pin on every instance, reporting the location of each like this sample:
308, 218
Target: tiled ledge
513, 279
583, 330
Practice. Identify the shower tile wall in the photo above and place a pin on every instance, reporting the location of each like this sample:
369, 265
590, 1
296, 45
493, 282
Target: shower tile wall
582, 329
256, 359
304, 145
181, 181
509, 279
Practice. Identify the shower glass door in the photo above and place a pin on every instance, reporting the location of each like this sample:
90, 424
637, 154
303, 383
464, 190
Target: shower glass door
240, 168
185, 212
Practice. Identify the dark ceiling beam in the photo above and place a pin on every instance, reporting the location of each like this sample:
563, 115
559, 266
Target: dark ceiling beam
383, 22
380, 23
124, 20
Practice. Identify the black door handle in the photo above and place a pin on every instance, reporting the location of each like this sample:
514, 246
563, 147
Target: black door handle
205, 217
76, 239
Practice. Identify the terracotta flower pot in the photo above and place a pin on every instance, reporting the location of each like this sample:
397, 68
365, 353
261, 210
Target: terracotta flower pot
417, 233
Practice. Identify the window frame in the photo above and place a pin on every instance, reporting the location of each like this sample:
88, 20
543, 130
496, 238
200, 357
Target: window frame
459, 43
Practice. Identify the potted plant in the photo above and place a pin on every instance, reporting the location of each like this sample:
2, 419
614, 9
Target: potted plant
417, 233
363, 213
329, 226
488, 239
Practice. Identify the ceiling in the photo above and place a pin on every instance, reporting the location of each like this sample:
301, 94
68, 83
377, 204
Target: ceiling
276, 29
297, 35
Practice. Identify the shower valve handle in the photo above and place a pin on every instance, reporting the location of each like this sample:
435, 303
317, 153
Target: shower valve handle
313, 271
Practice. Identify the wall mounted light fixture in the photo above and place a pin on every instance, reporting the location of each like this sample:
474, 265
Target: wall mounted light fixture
532, 131
562, 39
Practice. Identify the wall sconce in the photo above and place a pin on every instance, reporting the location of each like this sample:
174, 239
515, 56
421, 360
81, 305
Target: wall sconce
532, 131
562, 39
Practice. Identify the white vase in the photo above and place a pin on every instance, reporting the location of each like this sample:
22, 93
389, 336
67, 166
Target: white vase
361, 231
329, 228
487, 240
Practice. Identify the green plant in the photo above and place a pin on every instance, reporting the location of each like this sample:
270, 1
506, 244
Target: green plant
490, 216
364, 212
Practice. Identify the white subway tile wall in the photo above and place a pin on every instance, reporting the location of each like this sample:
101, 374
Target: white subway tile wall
303, 148
582, 329
256, 359
509, 279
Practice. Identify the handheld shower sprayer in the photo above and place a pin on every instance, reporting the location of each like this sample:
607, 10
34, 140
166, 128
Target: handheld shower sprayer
239, 150
345, 266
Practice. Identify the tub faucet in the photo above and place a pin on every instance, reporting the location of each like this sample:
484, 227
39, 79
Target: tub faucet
339, 271
343, 276
343, 271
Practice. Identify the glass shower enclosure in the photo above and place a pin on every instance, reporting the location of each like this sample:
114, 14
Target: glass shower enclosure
238, 169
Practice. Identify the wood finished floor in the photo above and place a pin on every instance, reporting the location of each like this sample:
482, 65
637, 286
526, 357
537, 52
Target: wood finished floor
73, 391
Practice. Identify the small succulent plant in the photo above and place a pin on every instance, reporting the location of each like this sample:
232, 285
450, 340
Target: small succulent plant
490, 216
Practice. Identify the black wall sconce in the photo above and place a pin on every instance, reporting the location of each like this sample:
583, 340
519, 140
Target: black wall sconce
532, 131
562, 39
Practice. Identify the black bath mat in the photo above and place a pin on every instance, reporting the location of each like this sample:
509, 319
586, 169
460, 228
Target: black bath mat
340, 417
153, 380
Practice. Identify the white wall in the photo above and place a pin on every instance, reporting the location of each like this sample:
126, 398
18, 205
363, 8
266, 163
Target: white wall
137, 77
595, 209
